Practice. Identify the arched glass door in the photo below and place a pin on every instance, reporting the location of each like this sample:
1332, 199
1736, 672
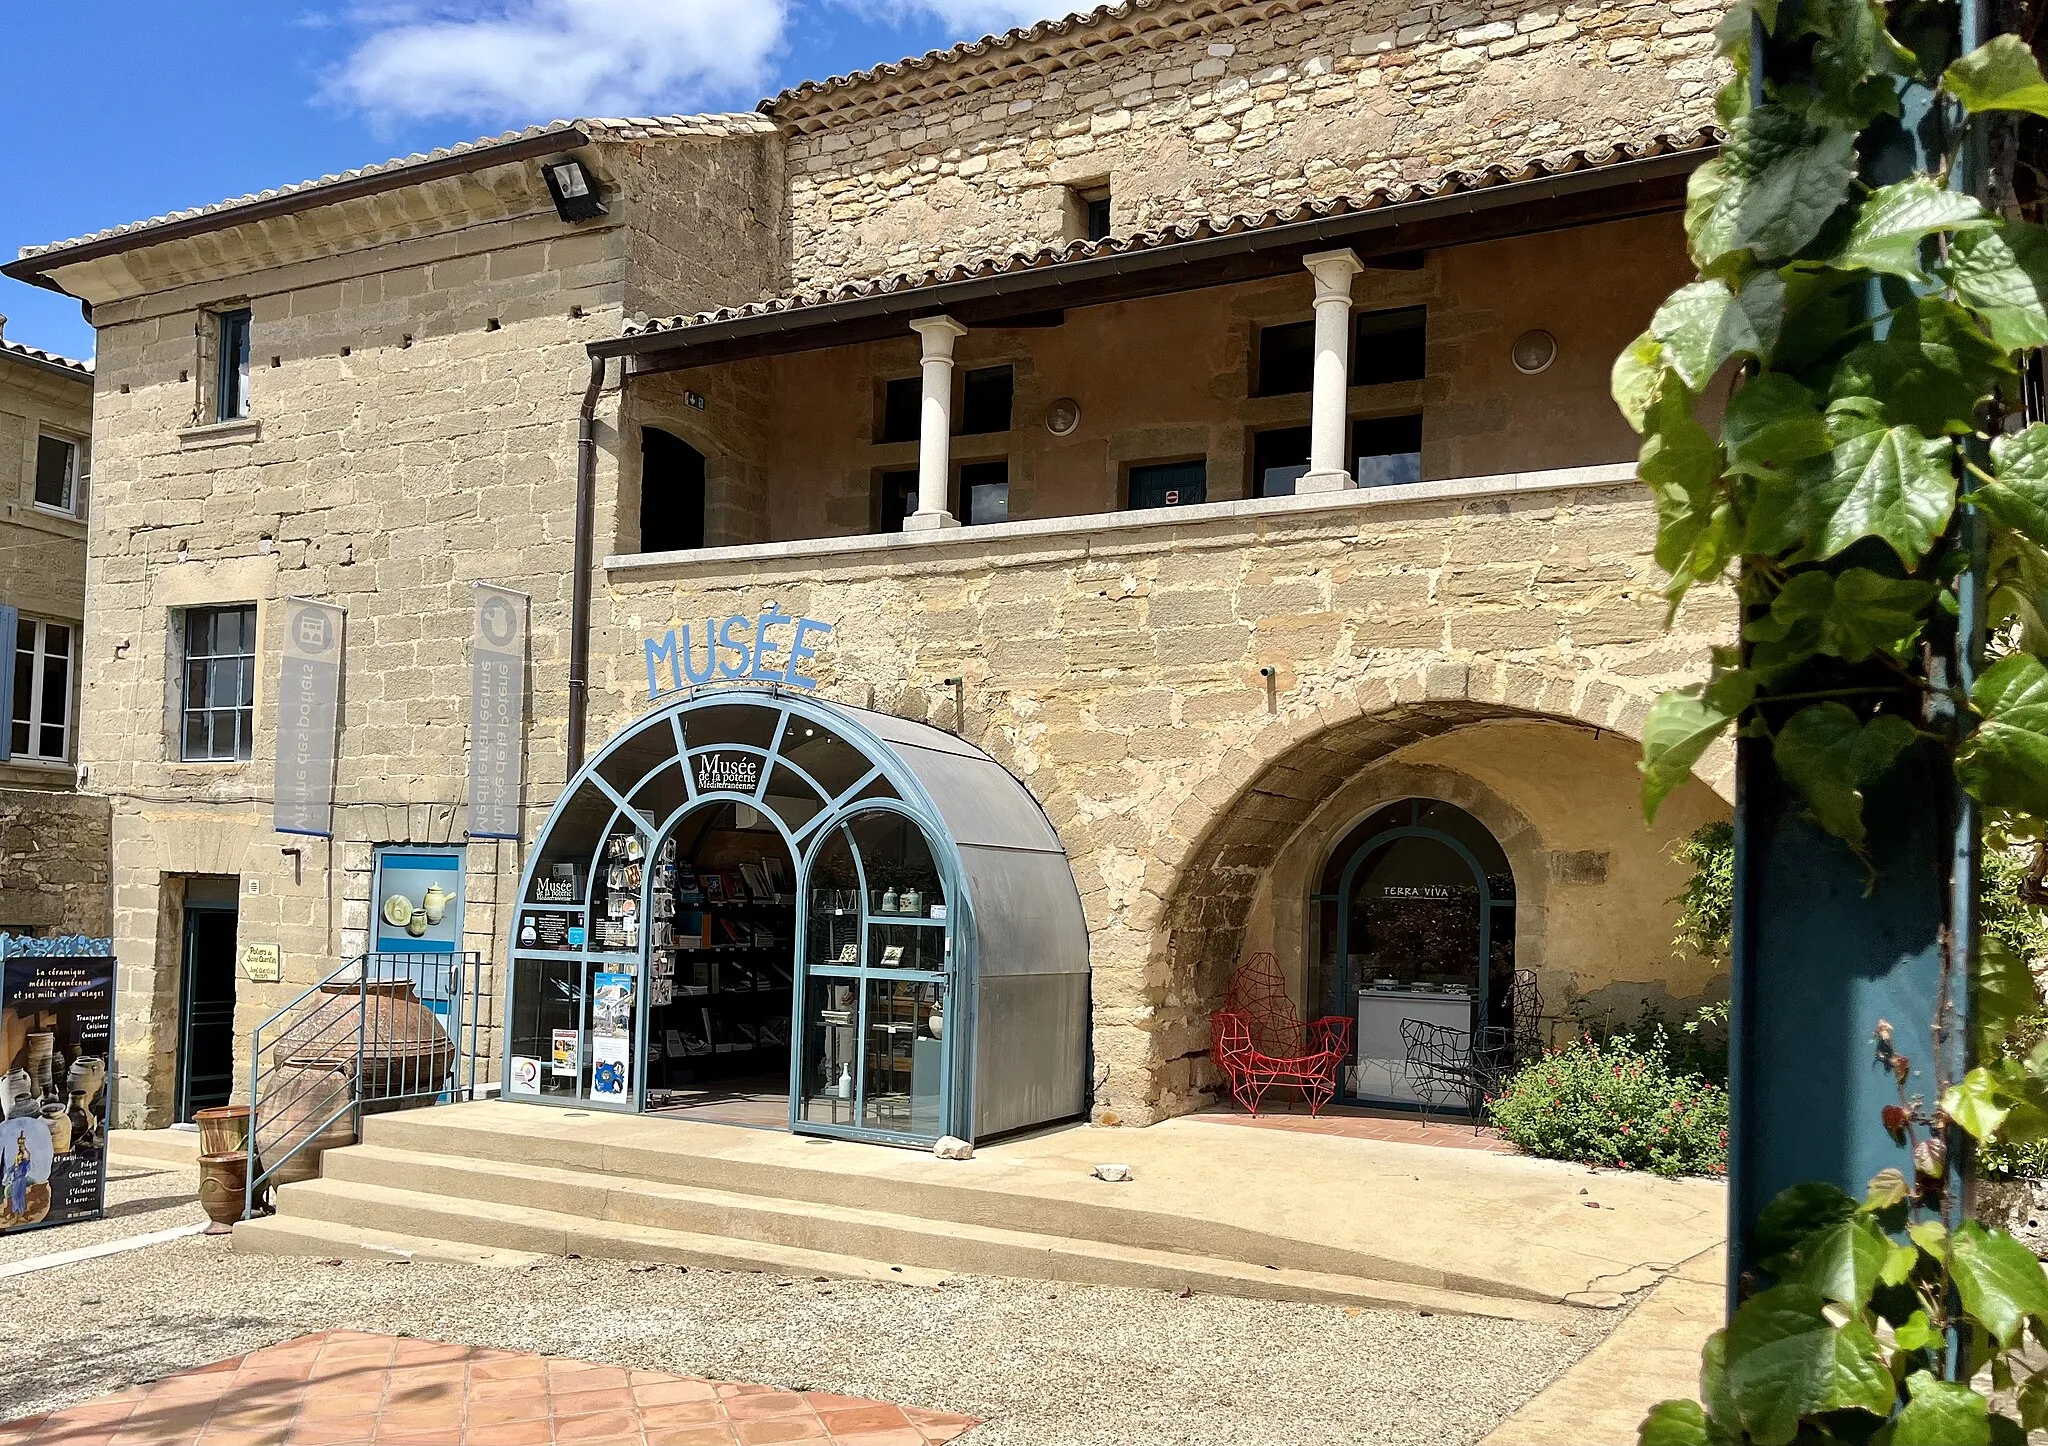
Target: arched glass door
877, 987
1417, 910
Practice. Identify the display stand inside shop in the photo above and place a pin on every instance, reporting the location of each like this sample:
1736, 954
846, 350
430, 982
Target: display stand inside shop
756, 909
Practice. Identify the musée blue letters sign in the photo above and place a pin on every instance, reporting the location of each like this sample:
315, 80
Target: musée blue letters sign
739, 647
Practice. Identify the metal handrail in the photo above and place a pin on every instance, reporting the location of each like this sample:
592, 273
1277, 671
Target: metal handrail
360, 1076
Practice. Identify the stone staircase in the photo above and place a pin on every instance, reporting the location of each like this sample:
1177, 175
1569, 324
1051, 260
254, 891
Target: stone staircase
452, 1184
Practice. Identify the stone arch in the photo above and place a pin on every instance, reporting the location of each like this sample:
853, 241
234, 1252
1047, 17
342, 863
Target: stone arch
1187, 920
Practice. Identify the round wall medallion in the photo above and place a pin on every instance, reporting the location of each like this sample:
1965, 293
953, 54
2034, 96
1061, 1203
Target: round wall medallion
1533, 352
1063, 416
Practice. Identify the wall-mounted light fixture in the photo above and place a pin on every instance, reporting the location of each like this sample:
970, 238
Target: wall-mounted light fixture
574, 189
1533, 352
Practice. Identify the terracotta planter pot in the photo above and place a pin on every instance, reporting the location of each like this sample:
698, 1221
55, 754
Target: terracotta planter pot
296, 1101
223, 1189
223, 1131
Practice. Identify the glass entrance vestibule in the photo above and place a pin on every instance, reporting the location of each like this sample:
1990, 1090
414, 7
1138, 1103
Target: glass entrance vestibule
860, 924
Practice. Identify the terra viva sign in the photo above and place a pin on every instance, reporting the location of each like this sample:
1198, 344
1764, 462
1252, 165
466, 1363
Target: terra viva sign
736, 648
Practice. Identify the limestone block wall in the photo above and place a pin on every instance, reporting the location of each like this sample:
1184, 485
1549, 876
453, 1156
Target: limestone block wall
1201, 109
1117, 673
412, 432
42, 553
53, 863
791, 440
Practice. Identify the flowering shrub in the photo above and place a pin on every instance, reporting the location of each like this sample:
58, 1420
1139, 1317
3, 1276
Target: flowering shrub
1609, 1102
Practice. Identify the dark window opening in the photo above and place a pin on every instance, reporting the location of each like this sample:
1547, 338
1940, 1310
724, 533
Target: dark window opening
1388, 347
56, 473
1287, 359
984, 492
231, 391
1097, 216
671, 493
1279, 460
902, 399
895, 499
1169, 484
985, 401
1387, 451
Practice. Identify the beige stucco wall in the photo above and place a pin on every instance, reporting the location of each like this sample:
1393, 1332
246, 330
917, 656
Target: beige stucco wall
790, 441
1215, 109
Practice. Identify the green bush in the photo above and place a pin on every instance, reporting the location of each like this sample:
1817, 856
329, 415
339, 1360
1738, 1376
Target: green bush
1609, 1102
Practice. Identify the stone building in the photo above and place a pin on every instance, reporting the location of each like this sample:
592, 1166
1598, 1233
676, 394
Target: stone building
1193, 412
53, 837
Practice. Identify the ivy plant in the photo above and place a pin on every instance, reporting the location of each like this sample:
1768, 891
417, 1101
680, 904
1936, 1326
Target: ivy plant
1826, 416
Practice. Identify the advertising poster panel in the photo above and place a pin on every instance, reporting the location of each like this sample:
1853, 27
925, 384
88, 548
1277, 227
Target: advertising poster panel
56, 1017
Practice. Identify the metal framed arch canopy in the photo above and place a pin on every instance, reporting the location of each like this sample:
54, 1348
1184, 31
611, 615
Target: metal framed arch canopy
991, 889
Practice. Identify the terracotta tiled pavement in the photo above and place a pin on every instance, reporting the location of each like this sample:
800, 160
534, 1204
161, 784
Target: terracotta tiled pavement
1398, 1127
344, 1388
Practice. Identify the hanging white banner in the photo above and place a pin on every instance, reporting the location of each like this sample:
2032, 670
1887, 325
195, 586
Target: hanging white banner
308, 685
497, 712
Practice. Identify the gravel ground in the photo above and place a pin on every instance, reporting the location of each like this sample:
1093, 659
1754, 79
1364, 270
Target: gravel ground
1045, 1364
140, 1199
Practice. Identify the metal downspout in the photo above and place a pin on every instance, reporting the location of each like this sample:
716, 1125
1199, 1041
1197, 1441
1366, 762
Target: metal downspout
579, 592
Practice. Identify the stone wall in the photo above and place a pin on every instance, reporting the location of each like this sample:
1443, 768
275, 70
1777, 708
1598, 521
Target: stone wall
54, 863
1117, 673
1196, 109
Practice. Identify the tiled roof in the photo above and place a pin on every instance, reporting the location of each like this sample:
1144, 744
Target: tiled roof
572, 132
1451, 183
1044, 42
45, 358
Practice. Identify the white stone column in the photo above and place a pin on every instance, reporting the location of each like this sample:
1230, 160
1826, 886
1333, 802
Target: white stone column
1329, 470
935, 426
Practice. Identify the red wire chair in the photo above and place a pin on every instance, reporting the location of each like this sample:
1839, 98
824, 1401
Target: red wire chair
1258, 1041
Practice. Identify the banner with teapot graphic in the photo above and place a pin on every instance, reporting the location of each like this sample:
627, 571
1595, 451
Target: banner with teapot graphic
56, 1023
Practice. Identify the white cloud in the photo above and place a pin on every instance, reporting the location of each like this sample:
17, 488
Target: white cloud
522, 61
970, 19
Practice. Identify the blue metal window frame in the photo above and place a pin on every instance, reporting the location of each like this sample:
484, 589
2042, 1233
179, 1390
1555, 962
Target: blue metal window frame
1346, 989
911, 801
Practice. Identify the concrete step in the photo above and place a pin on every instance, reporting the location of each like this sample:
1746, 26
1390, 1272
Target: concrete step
549, 1210
682, 1153
325, 1239
154, 1147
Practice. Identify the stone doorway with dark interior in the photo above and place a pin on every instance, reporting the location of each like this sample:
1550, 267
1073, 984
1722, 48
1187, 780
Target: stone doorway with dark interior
206, 994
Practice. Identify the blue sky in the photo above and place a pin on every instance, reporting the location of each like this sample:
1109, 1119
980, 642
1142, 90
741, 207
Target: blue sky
133, 115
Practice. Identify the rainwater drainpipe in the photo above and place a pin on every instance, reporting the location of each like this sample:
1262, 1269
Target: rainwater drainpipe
579, 591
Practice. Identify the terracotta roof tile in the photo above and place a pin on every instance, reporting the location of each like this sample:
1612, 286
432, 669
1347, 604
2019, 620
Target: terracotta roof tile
998, 264
45, 358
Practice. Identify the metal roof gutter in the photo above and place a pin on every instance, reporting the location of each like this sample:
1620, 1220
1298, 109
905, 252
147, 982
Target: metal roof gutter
34, 269
944, 295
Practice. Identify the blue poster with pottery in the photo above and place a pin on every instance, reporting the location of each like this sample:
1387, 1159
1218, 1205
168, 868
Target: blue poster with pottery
56, 1019
418, 901
611, 1035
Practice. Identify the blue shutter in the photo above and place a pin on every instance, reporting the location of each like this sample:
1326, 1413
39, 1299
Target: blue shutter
8, 619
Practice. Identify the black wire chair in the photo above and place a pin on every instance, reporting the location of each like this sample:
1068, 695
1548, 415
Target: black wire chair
1443, 1067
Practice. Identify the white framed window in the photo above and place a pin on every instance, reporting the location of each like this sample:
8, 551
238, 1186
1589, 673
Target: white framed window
57, 474
218, 708
42, 690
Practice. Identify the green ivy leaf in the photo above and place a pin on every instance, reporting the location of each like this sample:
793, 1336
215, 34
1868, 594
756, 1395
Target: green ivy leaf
1705, 325
1894, 220
2002, 272
1675, 1423
1854, 60
1976, 1102
1842, 1262
1679, 729
1830, 755
1942, 1413
2000, 74
1681, 465
1999, 1280
1798, 1211
1934, 369
2004, 763
1917, 1334
1899, 1262
1637, 374
1778, 180
1930, 1235
2033, 1401
1772, 423
2005, 995
1787, 1360
2019, 498
1848, 617
1878, 481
